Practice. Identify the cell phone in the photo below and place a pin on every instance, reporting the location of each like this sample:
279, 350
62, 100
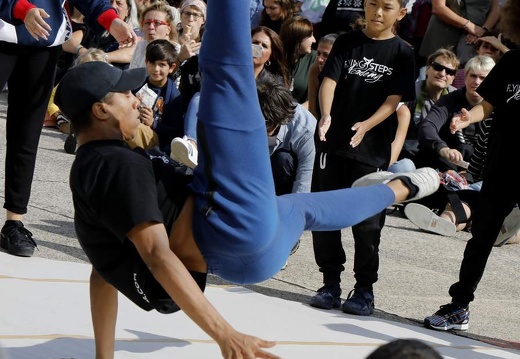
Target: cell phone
257, 50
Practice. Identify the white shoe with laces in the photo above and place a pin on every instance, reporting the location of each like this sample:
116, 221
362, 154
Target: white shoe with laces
425, 179
183, 151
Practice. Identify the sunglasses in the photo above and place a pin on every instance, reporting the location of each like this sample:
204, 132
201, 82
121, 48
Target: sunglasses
156, 23
189, 14
438, 67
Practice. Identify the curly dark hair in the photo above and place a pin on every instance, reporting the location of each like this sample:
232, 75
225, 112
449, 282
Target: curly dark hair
510, 20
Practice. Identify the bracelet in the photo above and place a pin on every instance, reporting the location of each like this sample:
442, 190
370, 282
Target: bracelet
77, 48
465, 25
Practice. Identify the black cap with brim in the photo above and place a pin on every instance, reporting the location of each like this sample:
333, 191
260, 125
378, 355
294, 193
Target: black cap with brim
88, 83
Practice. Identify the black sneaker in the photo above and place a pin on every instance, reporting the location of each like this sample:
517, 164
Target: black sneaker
359, 302
449, 316
328, 297
17, 240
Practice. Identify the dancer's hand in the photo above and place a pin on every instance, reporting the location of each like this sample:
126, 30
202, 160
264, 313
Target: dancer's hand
323, 127
36, 25
241, 346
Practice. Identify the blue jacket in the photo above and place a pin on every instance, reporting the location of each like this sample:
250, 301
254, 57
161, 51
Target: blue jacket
13, 29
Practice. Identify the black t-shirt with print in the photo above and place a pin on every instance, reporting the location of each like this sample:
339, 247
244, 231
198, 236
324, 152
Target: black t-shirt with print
501, 88
366, 72
114, 189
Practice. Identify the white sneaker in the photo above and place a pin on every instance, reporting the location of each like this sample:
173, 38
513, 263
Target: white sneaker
425, 219
183, 151
509, 228
426, 179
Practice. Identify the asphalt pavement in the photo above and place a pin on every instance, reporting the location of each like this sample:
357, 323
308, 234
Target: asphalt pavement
416, 268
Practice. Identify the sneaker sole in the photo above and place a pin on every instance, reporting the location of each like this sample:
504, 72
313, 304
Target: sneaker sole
180, 154
20, 252
428, 221
460, 327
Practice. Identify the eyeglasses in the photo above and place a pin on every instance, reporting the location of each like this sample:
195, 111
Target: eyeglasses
190, 14
438, 67
155, 22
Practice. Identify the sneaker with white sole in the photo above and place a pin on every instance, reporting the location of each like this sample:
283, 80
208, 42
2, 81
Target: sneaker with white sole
183, 151
428, 221
425, 180
449, 316
509, 228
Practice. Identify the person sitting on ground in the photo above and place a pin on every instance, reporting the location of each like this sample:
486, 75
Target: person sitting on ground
440, 72
447, 151
290, 131
438, 147
152, 231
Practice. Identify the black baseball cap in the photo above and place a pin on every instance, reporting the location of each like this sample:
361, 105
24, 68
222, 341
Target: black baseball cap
87, 83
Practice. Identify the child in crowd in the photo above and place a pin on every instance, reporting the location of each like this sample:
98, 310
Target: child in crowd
367, 74
165, 115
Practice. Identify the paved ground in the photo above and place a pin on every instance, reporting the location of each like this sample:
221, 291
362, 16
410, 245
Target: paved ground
415, 272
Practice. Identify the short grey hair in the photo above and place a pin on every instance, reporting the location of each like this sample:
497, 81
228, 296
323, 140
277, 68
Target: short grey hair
479, 63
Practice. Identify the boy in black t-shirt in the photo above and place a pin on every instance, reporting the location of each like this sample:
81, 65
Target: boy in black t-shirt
367, 74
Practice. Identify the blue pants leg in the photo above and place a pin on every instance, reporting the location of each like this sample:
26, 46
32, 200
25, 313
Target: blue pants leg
243, 230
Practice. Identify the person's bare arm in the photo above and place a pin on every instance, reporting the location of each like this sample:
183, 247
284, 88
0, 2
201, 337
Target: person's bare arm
403, 121
477, 113
326, 96
122, 55
75, 40
152, 243
493, 15
103, 308
312, 89
448, 16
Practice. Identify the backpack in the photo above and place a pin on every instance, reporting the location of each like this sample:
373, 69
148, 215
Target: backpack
421, 13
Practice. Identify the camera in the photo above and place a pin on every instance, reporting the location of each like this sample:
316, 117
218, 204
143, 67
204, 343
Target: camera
257, 50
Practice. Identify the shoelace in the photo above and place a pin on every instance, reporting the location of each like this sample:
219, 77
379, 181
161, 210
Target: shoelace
27, 234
